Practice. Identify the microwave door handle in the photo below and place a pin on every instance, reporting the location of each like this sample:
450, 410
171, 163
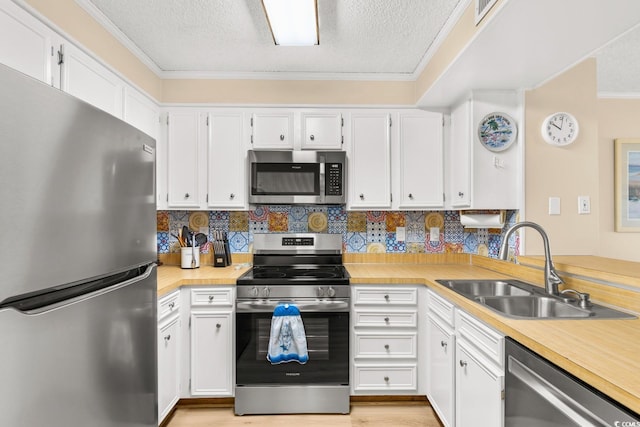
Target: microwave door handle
321, 178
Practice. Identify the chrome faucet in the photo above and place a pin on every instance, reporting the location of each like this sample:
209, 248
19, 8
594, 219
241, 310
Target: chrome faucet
551, 278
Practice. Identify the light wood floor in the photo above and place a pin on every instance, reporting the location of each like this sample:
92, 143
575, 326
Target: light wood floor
369, 415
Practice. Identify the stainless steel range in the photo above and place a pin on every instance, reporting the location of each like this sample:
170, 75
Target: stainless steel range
304, 270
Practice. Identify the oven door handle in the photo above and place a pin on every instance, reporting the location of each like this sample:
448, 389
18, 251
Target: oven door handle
304, 307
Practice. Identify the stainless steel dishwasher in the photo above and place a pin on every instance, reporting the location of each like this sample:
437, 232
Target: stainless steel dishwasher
540, 394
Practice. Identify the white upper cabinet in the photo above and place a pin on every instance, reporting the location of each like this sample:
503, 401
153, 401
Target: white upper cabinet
27, 45
370, 161
272, 130
419, 169
141, 112
183, 155
227, 163
321, 130
479, 177
87, 79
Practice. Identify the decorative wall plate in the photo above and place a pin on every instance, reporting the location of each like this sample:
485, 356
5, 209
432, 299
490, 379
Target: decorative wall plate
497, 131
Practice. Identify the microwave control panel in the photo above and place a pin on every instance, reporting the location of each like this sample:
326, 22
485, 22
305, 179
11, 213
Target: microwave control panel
333, 179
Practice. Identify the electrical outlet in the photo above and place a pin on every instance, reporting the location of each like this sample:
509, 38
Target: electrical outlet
401, 234
434, 234
584, 205
554, 205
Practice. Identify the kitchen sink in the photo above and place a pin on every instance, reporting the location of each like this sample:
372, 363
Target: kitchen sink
533, 306
520, 300
480, 288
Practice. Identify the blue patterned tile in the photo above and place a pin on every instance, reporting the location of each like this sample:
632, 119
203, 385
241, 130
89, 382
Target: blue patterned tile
337, 226
494, 245
163, 242
239, 241
482, 235
219, 220
393, 246
356, 242
298, 213
336, 213
258, 226
470, 243
376, 232
298, 226
416, 232
279, 208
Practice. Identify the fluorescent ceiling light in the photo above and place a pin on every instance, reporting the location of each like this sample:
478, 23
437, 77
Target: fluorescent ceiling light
293, 22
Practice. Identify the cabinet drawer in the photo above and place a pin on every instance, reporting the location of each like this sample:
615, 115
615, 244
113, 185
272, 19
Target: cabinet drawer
486, 340
208, 297
441, 307
385, 296
385, 346
169, 304
386, 319
382, 378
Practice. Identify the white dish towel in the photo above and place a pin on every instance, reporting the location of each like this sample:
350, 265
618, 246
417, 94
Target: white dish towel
288, 341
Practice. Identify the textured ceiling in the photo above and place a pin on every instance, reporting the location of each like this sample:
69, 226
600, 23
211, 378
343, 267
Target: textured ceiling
384, 38
619, 65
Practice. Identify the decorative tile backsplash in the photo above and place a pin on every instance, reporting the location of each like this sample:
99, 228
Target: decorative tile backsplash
371, 231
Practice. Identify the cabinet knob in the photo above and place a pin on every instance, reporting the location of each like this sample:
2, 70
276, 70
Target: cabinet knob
443, 344
311, 137
167, 338
231, 196
171, 305
410, 196
361, 196
386, 319
386, 297
460, 194
281, 137
218, 325
186, 195
463, 364
210, 298
386, 379
386, 346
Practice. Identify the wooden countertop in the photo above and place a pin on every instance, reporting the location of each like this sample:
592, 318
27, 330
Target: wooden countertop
603, 353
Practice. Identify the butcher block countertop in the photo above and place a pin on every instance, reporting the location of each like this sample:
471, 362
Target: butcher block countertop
603, 353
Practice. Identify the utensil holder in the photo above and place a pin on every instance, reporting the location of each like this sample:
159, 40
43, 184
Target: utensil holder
187, 253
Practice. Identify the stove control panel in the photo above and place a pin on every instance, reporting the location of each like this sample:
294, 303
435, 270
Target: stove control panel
298, 241
326, 292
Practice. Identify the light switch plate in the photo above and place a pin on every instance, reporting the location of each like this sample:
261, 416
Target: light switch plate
554, 205
584, 205
401, 234
434, 234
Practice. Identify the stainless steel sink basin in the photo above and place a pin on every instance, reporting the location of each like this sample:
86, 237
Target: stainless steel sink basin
481, 288
535, 306
520, 300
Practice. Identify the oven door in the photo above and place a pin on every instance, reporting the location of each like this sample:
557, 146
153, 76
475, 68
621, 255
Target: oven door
326, 327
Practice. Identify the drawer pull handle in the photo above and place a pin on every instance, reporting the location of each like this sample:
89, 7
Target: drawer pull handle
463, 364
218, 325
443, 344
312, 137
231, 196
186, 195
361, 196
386, 379
281, 137
386, 319
210, 298
167, 338
386, 297
410, 196
171, 305
386, 346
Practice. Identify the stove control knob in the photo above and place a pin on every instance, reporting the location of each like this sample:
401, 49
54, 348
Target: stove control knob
331, 292
320, 292
266, 291
254, 291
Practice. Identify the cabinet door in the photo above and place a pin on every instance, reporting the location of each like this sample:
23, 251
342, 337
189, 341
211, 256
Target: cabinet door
27, 45
459, 156
87, 79
421, 160
183, 175
479, 389
168, 366
272, 130
141, 112
227, 161
370, 161
321, 131
211, 354
440, 372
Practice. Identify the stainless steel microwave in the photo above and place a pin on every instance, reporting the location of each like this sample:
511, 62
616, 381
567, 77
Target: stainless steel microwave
297, 177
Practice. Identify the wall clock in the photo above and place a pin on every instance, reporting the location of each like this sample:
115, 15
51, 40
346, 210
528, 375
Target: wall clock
497, 131
560, 129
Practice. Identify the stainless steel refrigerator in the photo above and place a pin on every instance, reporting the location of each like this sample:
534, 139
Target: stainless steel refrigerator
77, 263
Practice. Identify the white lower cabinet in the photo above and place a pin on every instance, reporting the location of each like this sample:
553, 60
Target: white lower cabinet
212, 350
465, 382
384, 340
168, 353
